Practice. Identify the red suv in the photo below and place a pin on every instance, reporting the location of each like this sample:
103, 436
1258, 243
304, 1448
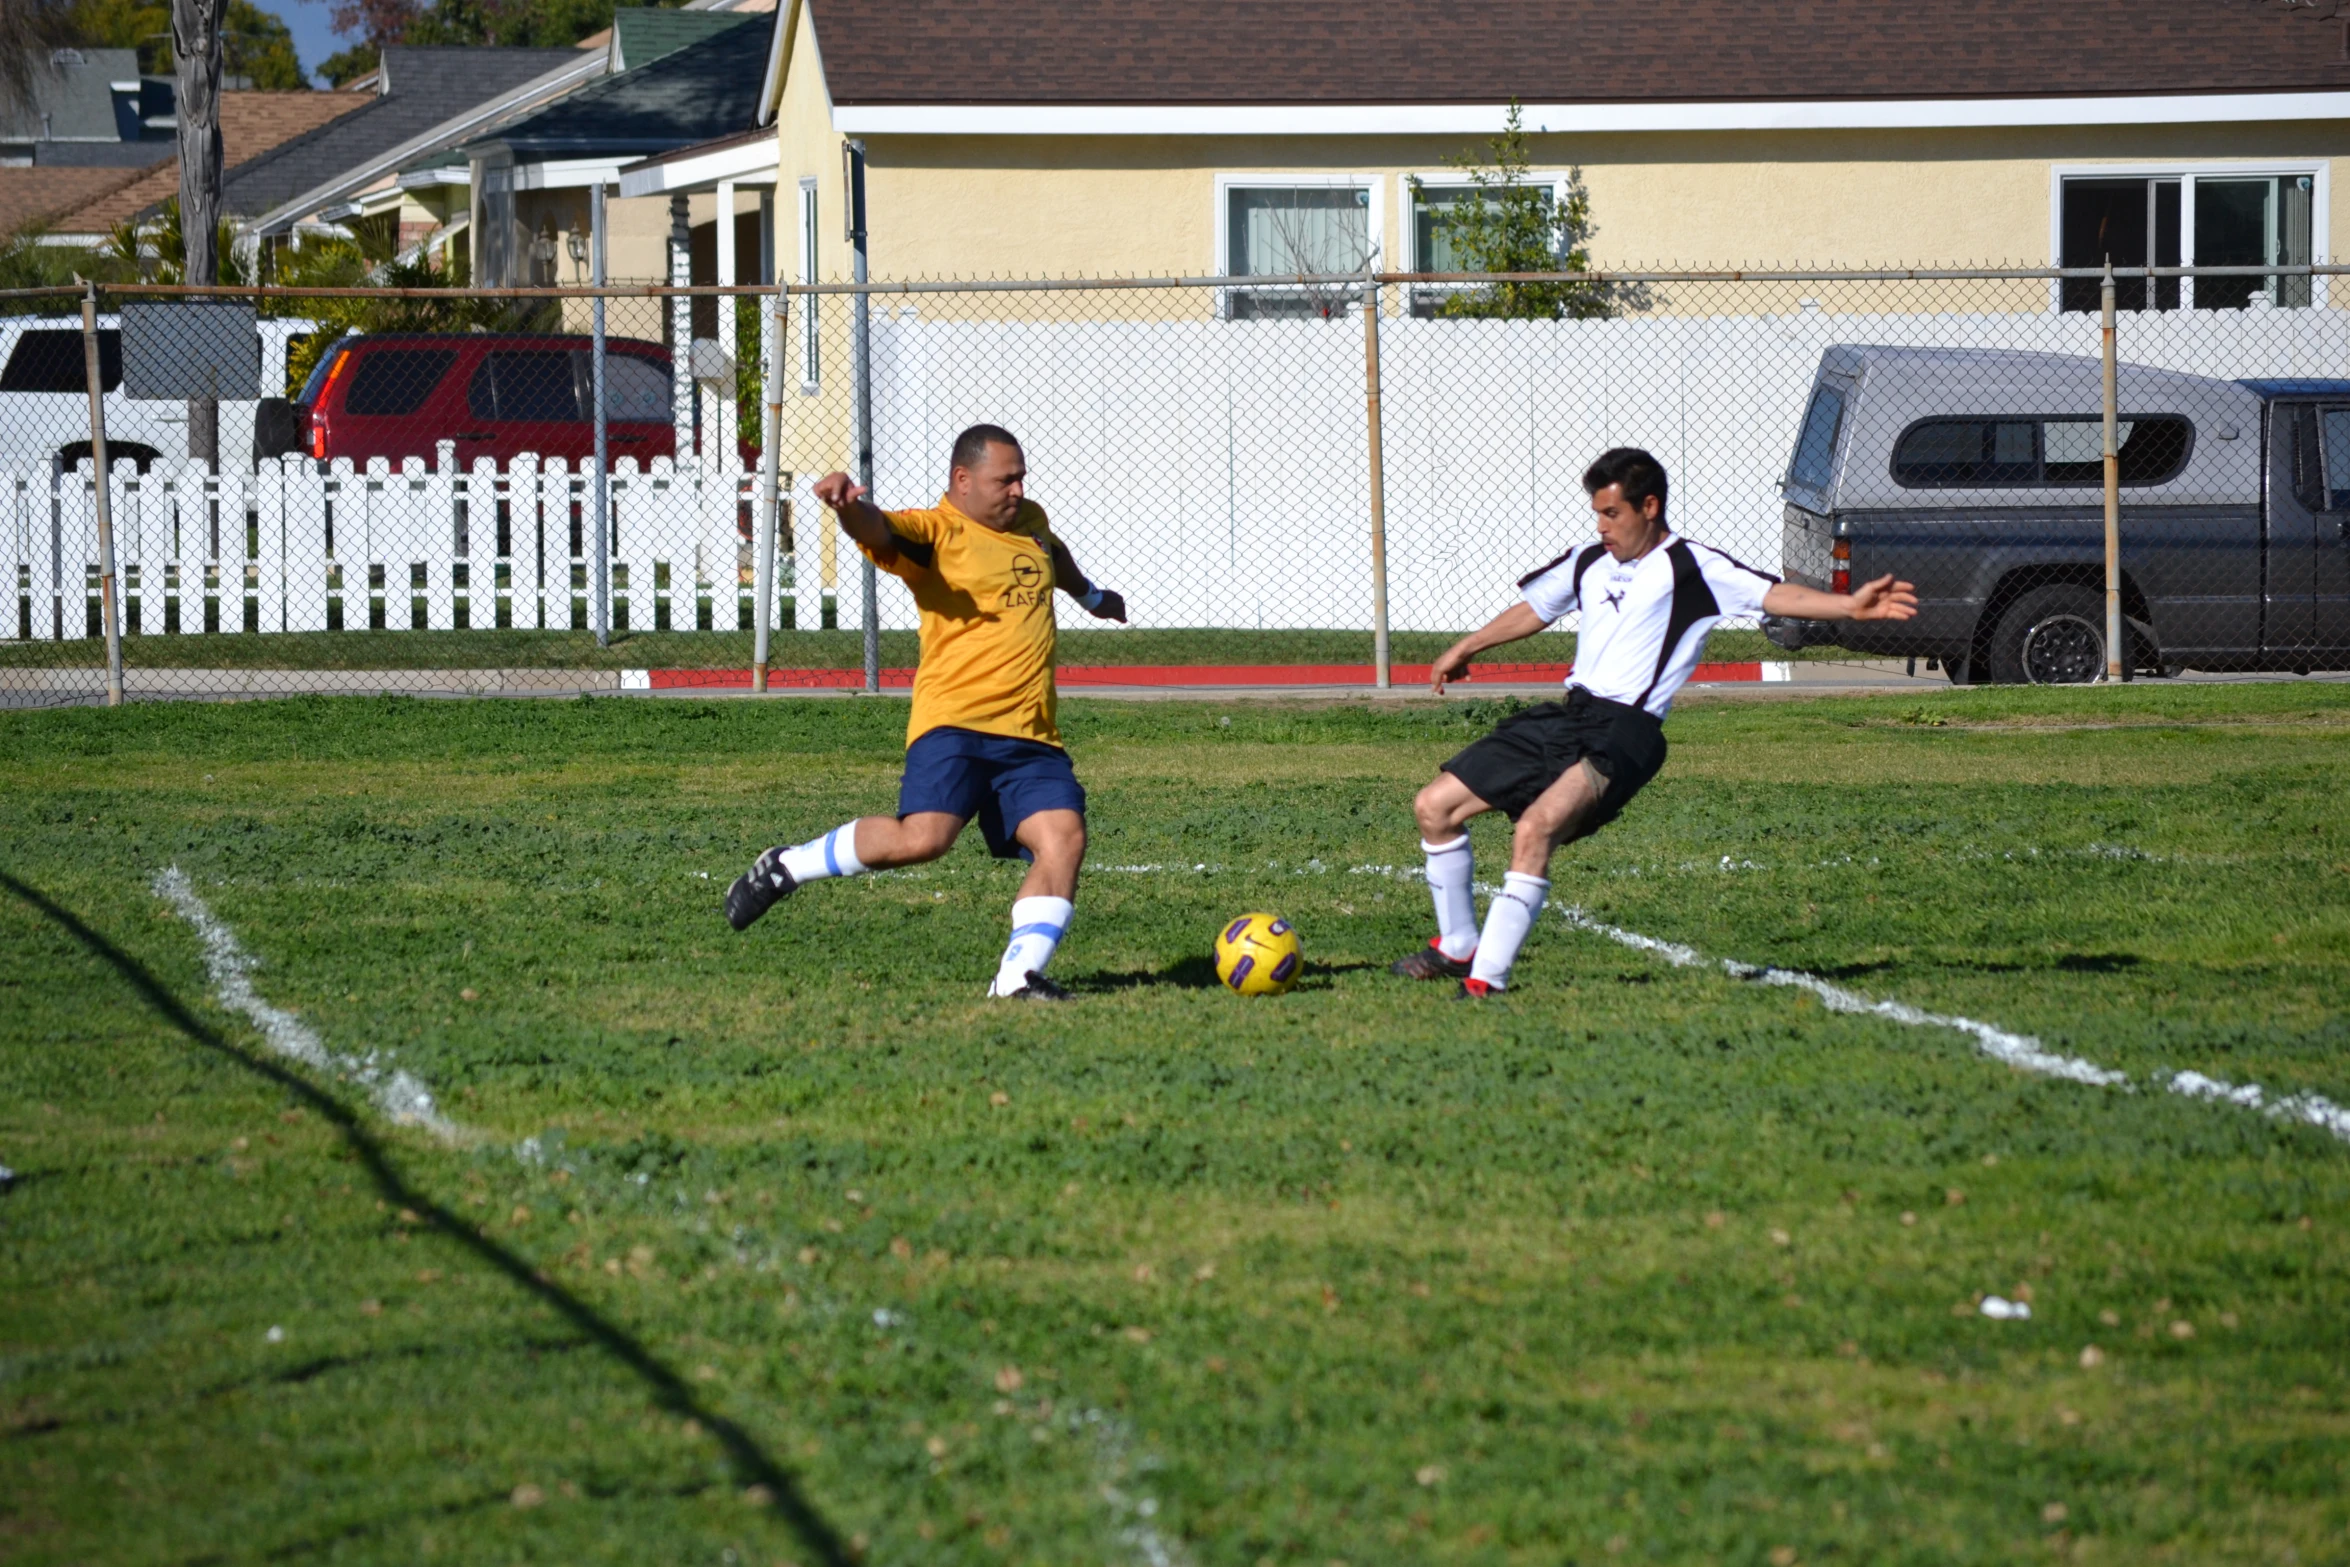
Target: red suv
495, 394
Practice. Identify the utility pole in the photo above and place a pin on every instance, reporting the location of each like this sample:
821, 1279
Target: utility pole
2117, 660
600, 483
861, 350
109, 592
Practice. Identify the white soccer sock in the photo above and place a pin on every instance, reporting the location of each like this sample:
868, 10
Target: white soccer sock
1507, 920
834, 854
1451, 873
1038, 924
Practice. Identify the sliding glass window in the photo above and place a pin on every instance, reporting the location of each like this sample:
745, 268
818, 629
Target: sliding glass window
2187, 219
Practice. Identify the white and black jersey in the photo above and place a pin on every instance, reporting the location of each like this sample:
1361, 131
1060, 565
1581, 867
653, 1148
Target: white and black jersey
1645, 620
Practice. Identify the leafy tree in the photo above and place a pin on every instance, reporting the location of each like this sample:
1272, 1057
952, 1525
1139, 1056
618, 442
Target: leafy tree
29, 29
370, 259
539, 23
1508, 223
256, 45
27, 263
346, 65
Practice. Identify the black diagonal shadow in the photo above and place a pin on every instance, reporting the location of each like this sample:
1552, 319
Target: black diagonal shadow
668, 1390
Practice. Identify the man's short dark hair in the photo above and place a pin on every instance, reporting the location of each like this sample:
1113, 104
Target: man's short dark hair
1631, 470
971, 446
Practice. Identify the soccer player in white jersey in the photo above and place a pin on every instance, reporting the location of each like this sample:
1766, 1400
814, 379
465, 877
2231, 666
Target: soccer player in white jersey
1563, 770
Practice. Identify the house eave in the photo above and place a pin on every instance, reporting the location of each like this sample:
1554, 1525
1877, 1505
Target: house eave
1649, 116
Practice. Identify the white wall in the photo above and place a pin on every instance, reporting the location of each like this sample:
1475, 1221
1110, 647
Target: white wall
1213, 471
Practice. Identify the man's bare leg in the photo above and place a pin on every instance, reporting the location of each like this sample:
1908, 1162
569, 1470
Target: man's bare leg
1057, 840
1047, 902
884, 843
870, 843
1558, 815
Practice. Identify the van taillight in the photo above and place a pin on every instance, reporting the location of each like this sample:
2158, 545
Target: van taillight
1840, 578
326, 395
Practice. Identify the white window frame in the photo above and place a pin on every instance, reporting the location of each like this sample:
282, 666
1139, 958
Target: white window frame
807, 252
1407, 210
1220, 265
2187, 172
1407, 213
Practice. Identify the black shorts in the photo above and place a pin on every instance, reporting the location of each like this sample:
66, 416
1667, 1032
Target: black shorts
1528, 752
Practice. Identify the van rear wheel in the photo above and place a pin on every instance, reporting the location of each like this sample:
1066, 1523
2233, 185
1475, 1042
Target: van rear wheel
2052, 636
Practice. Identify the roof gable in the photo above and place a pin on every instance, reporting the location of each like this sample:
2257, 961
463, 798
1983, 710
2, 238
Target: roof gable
642, 34
421, 87
73, 97
251, 123
698, 93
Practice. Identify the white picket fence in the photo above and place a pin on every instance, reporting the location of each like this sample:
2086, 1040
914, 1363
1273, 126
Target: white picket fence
1215, 471
420, 547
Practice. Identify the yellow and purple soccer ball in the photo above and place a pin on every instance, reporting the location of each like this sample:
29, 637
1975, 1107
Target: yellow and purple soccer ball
1258, 955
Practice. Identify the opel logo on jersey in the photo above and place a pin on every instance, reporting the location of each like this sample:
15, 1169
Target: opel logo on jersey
1025, 574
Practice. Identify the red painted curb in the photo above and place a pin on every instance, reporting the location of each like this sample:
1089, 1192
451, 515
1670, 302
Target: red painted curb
1238, 675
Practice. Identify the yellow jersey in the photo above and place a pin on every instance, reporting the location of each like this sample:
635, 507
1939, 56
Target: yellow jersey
987, 622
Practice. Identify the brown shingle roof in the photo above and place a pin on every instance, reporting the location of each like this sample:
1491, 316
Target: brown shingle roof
1561, 51
250, 124
28, 197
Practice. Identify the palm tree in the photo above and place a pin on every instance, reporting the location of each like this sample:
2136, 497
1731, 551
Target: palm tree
198, 39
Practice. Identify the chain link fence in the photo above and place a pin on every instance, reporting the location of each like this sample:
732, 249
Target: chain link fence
559, 488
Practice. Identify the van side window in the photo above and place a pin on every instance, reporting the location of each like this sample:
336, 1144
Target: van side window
49, 359
636, 391
2335, 425
392, 381
1982, 453
1815, 448
531, 384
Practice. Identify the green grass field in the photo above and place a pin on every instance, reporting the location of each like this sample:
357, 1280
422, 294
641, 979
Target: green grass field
788, 650
787, 1247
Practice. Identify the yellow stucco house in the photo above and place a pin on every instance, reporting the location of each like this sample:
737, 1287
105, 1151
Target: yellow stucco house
1231, 139
1224, 137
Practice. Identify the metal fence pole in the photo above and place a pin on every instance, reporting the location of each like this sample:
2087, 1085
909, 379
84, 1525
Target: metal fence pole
108, 601
1380, 668
861, 352
2116, 659
600, 484
770, 489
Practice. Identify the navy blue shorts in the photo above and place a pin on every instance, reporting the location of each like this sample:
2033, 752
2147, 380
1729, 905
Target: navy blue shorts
1000, 780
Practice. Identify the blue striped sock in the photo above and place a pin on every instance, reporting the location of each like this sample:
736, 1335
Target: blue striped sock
1038, 924
834, 854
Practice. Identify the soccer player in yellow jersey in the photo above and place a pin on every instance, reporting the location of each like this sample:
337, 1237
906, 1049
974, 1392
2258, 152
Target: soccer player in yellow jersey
983, 564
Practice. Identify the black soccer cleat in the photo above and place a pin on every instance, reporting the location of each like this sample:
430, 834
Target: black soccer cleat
759, 889
1429, 963
1036, 988
1474, 990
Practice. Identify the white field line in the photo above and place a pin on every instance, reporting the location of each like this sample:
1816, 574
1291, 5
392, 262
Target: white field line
2021, 1051
406, 1101
398, 1094
1117, 1478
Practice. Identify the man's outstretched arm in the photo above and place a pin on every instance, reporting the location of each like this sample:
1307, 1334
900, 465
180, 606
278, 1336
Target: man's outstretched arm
1101, 603
1512, 625
1883, 599
859, 518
